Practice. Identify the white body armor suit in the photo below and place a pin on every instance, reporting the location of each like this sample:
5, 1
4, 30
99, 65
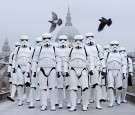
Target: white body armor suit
96, 53
115, 65
129, 73
34, 90
21, 65
44, 58
77, 65
12, 76
62, 55
78, 72
22, 60
96, 60
115, 69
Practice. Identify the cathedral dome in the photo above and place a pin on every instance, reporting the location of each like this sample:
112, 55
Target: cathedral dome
68, 29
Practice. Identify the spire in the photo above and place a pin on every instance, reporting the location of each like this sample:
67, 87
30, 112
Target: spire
68, 18
6, 47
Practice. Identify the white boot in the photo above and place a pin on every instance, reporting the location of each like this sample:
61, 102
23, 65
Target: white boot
27, 94
104, 94
73, 97
37, 94
92, 95
118, 96
61, 98
97, 97
53, 99
13, 91
111, 97
79, 91
84, 100
67, 91
43, 100
20, 94
32, 97
124, 91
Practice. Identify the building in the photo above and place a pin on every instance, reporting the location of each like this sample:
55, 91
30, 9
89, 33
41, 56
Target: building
69, 30
5, 50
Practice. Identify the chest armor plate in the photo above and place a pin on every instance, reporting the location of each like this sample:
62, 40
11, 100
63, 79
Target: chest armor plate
47, 57
114, 61
23, 56
78, 58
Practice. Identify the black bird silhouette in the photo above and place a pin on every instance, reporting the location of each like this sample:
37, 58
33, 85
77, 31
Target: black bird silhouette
103, 23
54, 22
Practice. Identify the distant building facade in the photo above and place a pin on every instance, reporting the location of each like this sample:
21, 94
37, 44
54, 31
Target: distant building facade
5, 50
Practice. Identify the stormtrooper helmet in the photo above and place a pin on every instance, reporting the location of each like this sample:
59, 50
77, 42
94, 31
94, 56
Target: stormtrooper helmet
122, 50
38, 41
106, 48
47, 39
114, 46
63, 41
90, 39
78, 41
17, 44
24, 41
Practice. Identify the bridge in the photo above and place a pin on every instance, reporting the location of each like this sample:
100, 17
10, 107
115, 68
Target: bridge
4, 63
11, 108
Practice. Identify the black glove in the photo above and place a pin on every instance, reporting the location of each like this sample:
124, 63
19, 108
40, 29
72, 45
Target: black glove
28, 76
129, 75
91, 72
14, 70
67, 74
103, 73
58, 75
34, 74
27, 84
123, 76
9, 75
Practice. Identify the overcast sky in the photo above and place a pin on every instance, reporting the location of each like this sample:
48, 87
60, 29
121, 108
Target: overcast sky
30, 17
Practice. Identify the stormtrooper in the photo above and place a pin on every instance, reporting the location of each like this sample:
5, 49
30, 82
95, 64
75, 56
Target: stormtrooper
104, 80
62, 55
34, 90
44, 59
129, 73
115, 68
78, 72
21, 66
94, 51
12, 76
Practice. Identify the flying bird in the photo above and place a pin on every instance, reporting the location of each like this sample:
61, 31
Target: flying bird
103, 23
55, 21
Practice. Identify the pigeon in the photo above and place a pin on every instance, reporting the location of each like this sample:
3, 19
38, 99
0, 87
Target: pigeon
54, 22
103, 23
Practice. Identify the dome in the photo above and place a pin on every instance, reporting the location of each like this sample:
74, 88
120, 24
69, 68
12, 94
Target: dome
68, 29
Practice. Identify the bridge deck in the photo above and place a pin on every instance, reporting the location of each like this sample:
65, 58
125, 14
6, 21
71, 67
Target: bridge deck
11, 108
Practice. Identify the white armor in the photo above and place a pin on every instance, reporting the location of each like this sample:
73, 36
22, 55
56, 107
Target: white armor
78, 72
12, 75
35, 91
44, 58
104, 79
62, 55
96, 60
129, 72
21, 66
115, 68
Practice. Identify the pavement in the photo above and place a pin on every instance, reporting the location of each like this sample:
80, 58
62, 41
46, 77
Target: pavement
11, 108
